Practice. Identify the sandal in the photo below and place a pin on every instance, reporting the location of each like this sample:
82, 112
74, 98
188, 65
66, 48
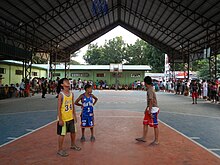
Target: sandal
76, 148
92, 138
83, 139
140, 140
62, 153
154, 143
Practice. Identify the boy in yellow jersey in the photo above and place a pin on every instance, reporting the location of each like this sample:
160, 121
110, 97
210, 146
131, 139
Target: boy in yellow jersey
67, 117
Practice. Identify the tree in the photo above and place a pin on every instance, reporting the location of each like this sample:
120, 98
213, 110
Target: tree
203, 69
39, 60
94, 55
116, 51
141, 53
72, 56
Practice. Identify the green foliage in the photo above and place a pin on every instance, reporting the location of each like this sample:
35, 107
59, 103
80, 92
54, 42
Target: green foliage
72, 61
111, 52
116, 51
203, 69
38, 60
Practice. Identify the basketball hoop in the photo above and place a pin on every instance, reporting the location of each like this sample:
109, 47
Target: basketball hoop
115, 68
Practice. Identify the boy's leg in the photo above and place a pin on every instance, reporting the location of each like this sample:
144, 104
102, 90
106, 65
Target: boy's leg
83, 131
73, 142
145, 130
193, 98
92, 135
83, 135
144, 137
156, 133
60, 142
92, 132
61, 152
73, 139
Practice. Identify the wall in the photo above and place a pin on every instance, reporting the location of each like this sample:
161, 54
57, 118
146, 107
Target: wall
124, 79
11, 78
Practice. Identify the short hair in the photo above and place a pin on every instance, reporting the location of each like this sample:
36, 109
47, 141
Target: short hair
87, 86
148, 80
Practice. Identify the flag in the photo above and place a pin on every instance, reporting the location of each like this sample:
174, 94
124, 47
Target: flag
99, 7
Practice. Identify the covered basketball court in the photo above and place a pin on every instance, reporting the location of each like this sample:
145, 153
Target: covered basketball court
54, 29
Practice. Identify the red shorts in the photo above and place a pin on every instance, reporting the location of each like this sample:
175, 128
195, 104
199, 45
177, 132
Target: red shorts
152, 122
194, 94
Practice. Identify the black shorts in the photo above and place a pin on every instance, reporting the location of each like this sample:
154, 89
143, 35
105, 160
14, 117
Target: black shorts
69, 126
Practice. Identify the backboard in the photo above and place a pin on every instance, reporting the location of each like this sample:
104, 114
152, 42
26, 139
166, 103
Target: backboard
115, 68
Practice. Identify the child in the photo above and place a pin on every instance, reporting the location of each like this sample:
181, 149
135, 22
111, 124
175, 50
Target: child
194, 89
151, 113
17, 89
67, 117
87, 115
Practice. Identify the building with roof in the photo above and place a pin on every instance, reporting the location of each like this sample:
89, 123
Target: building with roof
185, 30
12, 72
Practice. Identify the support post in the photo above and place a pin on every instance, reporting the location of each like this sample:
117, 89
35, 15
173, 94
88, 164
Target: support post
65, 69
188, 63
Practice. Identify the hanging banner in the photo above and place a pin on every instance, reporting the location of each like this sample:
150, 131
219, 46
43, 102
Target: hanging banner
99, 7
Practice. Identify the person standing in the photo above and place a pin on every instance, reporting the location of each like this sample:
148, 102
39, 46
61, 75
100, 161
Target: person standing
205, 89
87, 115
67, 117
22, 87
151, 113
194, 89
44, 87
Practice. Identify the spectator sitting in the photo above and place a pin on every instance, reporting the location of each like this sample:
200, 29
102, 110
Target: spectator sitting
6, 90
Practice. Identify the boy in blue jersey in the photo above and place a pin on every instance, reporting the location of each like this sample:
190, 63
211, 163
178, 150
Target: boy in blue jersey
87, 115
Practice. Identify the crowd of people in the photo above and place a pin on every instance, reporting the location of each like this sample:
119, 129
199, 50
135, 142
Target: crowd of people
204, 89
209, 90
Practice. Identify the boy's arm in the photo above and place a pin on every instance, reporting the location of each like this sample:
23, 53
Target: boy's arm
77, 100
150, 105
96, 99
59, 110
74, 111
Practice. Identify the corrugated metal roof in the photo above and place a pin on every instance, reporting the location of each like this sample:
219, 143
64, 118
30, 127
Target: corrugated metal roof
165, 24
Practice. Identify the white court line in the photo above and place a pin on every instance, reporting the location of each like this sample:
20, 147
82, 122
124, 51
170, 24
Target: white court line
30, 130
27, 134
14, 113
214, 149
210, 151
194, 138
190, 114
11, 138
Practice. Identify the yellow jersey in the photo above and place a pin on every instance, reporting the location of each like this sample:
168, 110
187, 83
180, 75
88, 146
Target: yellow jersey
67, 107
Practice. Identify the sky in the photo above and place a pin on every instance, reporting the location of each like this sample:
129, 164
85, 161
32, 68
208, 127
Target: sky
127, 36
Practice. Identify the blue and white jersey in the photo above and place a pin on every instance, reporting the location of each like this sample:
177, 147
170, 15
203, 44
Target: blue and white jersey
87, 103
87, 112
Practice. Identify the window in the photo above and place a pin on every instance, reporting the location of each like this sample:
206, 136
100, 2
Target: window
79, 74
136, 75
34, 73
100, 75
56, 74
19, 72
2, 70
